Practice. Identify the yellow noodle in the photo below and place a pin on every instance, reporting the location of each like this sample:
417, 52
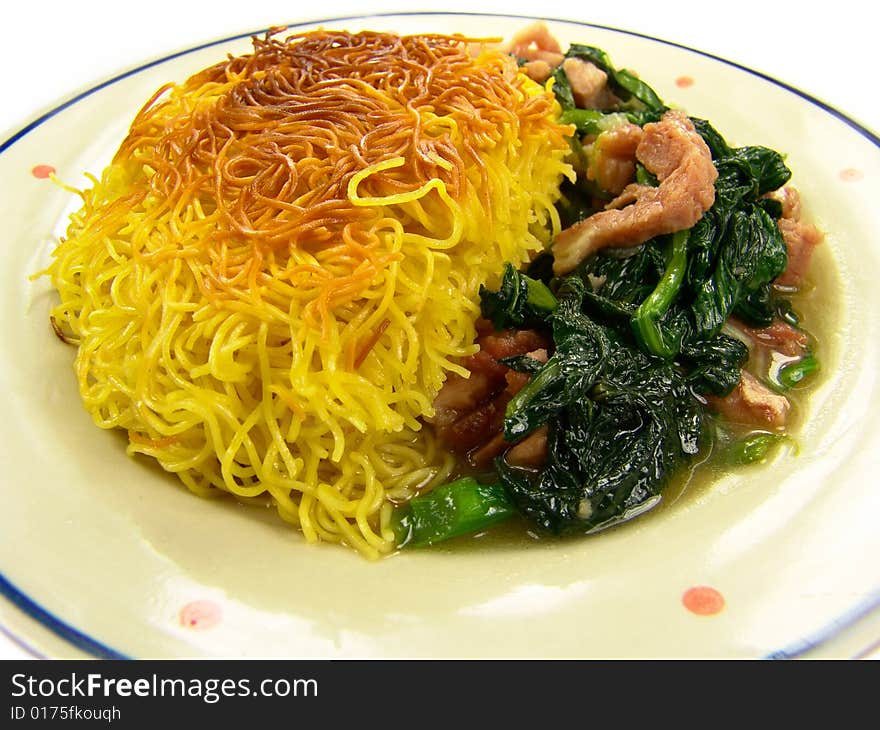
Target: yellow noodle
281, 266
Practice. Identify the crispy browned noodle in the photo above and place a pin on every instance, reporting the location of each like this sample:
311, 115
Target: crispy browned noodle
272, 279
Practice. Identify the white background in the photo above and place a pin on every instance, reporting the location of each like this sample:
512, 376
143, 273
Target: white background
49, 50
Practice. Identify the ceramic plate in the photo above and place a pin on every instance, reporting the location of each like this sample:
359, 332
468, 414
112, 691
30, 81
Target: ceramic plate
101, 554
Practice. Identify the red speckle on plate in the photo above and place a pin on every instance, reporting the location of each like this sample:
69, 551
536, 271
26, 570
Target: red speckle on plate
683, 82
703, 600
200, 615
851, 174
42, 171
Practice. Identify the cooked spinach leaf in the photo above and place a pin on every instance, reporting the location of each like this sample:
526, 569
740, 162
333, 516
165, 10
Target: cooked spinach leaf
562, 89
737, 249
639, 102
757, 307
637, 332
682, 289
581, 350
642, 294
620, 422
714, 365
626, 85
740, 251
519, 300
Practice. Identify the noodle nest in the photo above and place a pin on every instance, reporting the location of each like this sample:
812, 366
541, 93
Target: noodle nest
272, 279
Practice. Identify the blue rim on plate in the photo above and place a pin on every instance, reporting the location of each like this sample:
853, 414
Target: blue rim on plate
96, 648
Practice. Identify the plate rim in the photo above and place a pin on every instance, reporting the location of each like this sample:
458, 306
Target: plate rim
32, 610
10, 138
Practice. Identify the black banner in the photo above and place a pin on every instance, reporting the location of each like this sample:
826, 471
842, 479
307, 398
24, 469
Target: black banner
124, 693
398, 693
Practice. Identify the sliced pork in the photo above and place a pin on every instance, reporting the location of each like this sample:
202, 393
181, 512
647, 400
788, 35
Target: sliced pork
800, 237
613, 158
673, 151
535, 42
800, 241
589, 84
751, 403
469, 412
778, 337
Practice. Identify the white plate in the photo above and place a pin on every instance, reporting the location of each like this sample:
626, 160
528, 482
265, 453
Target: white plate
102, 555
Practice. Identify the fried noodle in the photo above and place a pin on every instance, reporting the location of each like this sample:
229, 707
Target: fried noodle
274, 276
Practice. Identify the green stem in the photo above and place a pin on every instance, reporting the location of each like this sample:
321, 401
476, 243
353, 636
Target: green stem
754, 448
540, 297
792, 374
516, 425
645, 320
587, 121
461, 507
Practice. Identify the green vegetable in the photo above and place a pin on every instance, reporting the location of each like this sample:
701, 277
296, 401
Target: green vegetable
640, 103
753, 448
519, 300
631, 284
739, 250
714, 365
637, 341
581, 348
593, 121
461, 507
586, 121
645, 176
725, 264
620, 422
623, 83
757, 307
522, 363
645, 320
620, 418
627, 280
562, 89
539, 297
736, 248
793, 373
